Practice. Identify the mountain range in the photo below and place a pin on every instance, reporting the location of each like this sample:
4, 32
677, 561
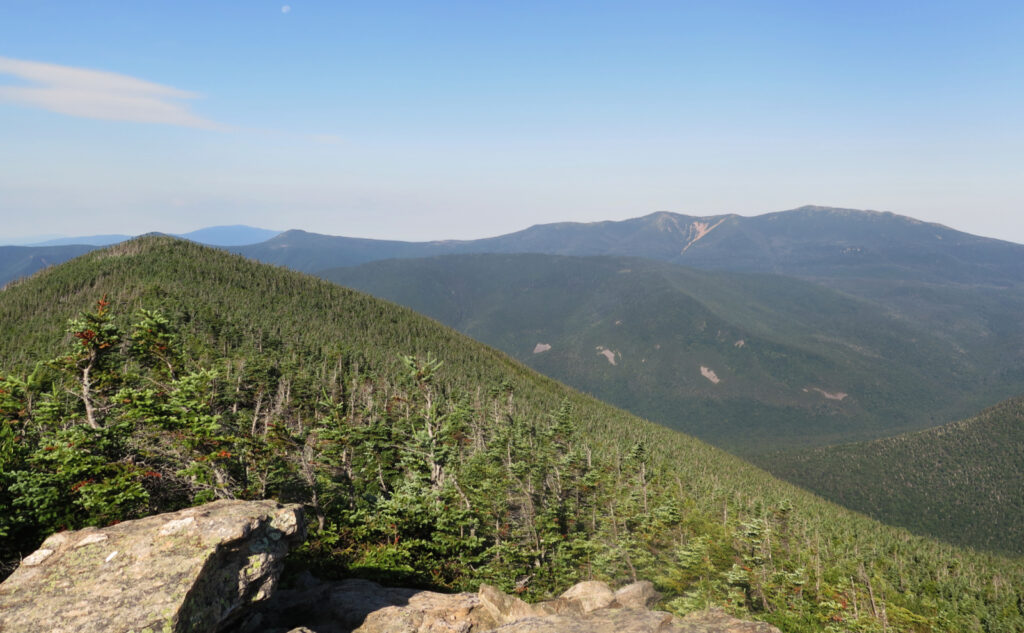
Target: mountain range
945, 308
807, 327
841, 246
424, 454
228, 235
810, 242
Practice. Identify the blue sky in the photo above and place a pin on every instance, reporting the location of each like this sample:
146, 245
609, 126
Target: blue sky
427, 120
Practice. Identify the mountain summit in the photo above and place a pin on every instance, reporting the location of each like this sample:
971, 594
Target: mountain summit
811, 242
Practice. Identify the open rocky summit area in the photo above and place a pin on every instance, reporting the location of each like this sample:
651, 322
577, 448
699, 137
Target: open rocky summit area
215, 568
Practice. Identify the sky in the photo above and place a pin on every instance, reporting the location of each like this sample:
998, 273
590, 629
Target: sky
431, 120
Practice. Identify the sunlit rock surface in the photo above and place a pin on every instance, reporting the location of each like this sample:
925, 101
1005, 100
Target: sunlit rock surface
192, 570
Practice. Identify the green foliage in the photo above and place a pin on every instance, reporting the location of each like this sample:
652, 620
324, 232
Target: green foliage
423, 457
75, 477
960, 482
154, 344
783, 349
91, 360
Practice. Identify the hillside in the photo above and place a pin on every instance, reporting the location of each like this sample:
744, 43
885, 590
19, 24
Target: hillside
966, 289
961, 482
424, 455
747, 362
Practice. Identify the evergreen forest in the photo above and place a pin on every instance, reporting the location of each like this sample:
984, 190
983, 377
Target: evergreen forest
961, 481
795, 362
157, 374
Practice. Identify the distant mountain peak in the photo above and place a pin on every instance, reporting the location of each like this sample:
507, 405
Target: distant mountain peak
230, 235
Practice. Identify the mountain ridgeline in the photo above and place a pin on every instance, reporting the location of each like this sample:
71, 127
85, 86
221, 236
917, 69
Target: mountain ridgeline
187, 373
811, 242
840, 246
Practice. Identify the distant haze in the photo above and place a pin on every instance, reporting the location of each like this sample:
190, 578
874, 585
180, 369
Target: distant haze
237, 235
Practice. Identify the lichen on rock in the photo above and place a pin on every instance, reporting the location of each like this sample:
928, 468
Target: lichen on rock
192, 570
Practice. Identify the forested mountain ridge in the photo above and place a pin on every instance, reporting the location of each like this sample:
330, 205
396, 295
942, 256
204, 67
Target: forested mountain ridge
424, 455
747, 362
962, 481
921, 271
812, 242
966, 288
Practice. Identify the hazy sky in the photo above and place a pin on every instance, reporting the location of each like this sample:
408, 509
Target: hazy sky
432, 119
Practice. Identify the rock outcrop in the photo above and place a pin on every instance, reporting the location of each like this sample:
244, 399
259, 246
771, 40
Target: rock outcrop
360, 606
212, 569
192, 570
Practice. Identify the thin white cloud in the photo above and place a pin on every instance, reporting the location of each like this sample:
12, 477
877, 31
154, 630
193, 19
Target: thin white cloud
96, 94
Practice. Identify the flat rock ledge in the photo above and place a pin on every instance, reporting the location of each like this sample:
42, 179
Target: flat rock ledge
361, 606
193, 570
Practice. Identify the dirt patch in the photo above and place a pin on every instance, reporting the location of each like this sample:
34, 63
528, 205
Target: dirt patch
710, 374
607, 353
831, 395
739, 343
